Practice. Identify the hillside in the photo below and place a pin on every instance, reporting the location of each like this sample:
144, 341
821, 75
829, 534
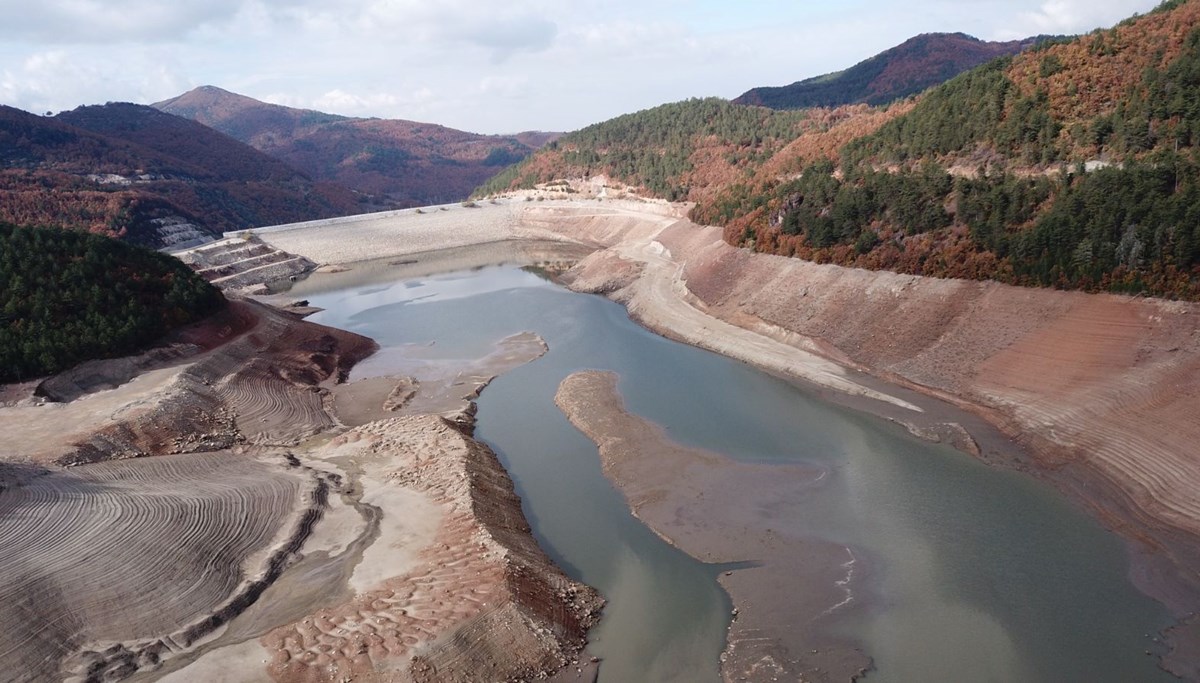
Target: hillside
66, 297
1072, 165
907, 69
199, 151
132, 171
407, 162
677, 151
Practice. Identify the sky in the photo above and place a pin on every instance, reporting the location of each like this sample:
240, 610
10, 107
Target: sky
477, 65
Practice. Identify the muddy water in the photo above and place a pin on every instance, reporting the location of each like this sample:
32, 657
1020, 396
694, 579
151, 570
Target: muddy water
968, 573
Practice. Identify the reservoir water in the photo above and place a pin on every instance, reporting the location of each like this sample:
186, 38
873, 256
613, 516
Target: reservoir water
977, 574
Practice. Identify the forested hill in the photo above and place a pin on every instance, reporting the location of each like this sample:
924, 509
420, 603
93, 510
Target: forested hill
132, 171
677, 151
193, 149
67, 297
407, 162
907, 69
1073, 165
1076, 165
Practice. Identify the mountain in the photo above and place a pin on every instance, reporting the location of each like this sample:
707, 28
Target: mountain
410, 163
156, 179
1073, 164
674, 151
178, 144
907, 69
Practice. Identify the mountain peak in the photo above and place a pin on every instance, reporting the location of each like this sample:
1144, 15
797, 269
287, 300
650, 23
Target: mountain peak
907, 69
407, 162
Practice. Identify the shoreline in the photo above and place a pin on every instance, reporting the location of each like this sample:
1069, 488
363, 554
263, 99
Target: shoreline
393, 548
775, 631
697, 271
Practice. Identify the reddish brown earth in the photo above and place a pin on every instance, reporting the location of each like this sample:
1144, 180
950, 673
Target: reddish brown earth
156, 179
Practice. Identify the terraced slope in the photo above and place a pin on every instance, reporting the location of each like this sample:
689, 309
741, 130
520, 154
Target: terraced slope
85, 585
398, 553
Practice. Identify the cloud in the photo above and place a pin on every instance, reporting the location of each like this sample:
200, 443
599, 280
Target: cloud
1073, 16
101, 21
55, 80
475, 64
501, 29
364, 104
508, 36
508, 87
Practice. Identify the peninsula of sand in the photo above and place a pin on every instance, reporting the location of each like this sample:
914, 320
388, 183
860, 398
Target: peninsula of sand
1094, 393
290, 526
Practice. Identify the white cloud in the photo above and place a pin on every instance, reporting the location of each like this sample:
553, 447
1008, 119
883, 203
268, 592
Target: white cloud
100, 21
510, 87
1066, 17
58, 79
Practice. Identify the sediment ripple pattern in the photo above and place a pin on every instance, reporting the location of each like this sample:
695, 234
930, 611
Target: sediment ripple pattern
129, 550
483, 574
270, 409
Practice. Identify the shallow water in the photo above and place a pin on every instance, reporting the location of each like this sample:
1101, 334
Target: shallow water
976, 574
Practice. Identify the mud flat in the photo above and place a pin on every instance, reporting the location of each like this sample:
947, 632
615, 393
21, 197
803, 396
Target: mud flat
722, 511
1096, 392
211, 505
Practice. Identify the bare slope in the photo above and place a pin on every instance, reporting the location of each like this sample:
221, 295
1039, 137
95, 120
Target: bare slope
396, 552
83, 546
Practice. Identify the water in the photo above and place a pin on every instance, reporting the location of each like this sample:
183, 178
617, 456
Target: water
977, 574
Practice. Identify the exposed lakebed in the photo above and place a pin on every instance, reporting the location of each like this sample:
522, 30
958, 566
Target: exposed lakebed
964, 572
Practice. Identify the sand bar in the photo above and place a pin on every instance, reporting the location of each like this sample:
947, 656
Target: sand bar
1097, 392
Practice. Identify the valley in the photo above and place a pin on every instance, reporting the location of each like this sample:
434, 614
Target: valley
889, 374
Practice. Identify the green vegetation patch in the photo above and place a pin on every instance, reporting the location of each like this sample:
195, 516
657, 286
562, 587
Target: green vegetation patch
1134, 229
68, 297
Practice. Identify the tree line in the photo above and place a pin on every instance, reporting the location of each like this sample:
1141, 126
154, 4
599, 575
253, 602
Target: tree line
67, 297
